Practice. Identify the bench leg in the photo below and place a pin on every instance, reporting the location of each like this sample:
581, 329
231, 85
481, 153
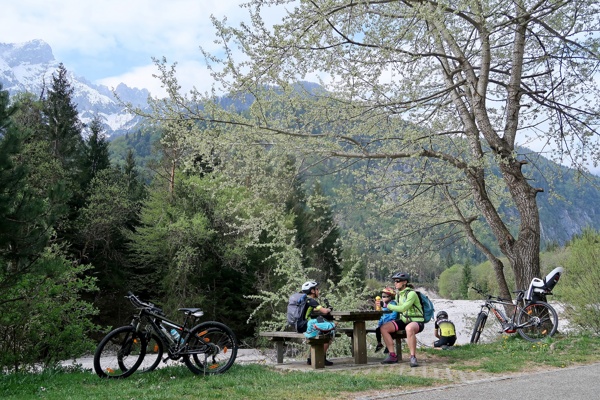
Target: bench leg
317, 355
279, 346
399, 348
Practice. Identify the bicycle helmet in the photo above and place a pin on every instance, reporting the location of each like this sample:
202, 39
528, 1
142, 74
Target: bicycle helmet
403, 276
389, 290
307, 286
442, 315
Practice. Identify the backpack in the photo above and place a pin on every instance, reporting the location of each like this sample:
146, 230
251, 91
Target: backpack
319, 326
426, 306
294, 309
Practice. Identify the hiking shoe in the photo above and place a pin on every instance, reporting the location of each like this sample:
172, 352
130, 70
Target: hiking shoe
390, 360
328, 363
378, 347
413, 361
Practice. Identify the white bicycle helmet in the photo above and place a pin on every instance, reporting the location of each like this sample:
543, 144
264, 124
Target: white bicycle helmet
307, 286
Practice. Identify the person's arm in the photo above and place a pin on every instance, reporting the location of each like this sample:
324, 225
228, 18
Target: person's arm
410, 300
323, 310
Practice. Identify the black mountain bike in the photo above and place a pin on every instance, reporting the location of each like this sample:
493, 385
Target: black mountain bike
205, 348
534, 322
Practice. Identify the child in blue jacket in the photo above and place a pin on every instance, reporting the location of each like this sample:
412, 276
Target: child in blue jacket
387, 297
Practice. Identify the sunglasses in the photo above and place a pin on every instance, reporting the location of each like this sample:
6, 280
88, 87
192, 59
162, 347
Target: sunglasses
398, 281
386, 297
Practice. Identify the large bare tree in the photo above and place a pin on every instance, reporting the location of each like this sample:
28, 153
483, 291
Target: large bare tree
445, 90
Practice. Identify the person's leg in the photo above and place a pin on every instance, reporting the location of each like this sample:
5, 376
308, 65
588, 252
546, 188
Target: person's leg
411, 337
386, 330
378, 334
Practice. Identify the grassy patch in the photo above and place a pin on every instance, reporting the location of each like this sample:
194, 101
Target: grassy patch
513, 354
510, 354
241, 382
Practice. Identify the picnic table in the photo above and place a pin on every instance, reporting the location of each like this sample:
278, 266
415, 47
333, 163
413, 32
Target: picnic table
359, 330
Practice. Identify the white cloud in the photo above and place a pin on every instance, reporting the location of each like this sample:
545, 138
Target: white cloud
189, 74
113, 41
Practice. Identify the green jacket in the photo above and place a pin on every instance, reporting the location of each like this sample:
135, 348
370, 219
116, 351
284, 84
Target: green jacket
409, 307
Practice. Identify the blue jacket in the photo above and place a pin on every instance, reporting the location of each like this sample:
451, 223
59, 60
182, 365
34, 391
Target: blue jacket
387, 317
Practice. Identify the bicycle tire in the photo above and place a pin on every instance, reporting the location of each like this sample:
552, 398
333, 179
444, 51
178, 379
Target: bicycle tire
119, 353
540, 319
154, 353
211, 347
479, 325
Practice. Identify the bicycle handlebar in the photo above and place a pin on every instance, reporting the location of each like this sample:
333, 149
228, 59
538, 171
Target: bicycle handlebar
486, 295
137, 303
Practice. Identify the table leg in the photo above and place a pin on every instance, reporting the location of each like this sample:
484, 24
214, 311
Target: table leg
359, 341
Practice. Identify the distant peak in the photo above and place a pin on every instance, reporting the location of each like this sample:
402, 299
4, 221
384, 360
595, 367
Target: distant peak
33, 52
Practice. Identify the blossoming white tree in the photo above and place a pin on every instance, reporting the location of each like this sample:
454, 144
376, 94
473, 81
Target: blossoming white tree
437, 95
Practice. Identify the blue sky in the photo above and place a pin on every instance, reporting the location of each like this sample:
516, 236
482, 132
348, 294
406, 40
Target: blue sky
113, 41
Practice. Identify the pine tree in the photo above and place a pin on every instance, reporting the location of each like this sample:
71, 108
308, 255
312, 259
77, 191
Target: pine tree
26, 215
96, 152
63, 125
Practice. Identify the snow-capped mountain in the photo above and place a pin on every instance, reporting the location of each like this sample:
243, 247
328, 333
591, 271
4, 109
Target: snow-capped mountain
29, 66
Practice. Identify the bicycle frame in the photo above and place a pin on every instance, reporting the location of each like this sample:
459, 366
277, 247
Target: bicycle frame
158, 325
508, 324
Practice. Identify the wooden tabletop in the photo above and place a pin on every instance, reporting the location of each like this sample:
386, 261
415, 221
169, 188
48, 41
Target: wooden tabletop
368, 315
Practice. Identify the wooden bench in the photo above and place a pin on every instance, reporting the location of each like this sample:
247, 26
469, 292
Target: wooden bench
397, 336
317, 345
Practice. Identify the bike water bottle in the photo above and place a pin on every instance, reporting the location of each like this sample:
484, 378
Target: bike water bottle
377, 303
176, 336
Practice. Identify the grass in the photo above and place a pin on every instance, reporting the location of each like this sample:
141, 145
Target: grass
510, 354
513, 354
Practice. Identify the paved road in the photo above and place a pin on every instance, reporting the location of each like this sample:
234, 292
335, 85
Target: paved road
581, 382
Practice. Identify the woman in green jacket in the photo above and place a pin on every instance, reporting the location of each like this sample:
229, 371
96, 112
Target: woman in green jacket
410, 319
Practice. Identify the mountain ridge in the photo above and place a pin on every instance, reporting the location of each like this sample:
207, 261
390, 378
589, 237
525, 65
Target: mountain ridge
29, 66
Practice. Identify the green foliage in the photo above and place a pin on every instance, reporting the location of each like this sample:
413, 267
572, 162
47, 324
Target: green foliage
140, 143
42, 317
465, 281
449, 284
579, 287
95, 152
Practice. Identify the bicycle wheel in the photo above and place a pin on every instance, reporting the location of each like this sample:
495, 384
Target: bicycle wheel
537, 321
479, 324
154, 353
211, 348
120, 353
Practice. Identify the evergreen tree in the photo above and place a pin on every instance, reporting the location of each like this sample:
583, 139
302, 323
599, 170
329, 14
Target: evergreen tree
42, 316
25, 215
96, 152
64, 127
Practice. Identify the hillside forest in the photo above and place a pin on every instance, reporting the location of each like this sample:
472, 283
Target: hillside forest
84, 220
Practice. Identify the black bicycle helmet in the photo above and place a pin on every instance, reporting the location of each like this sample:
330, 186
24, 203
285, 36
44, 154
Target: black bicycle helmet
442, 315
403, 276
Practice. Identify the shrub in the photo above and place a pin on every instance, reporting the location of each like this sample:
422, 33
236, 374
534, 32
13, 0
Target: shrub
42, 317
580, 284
